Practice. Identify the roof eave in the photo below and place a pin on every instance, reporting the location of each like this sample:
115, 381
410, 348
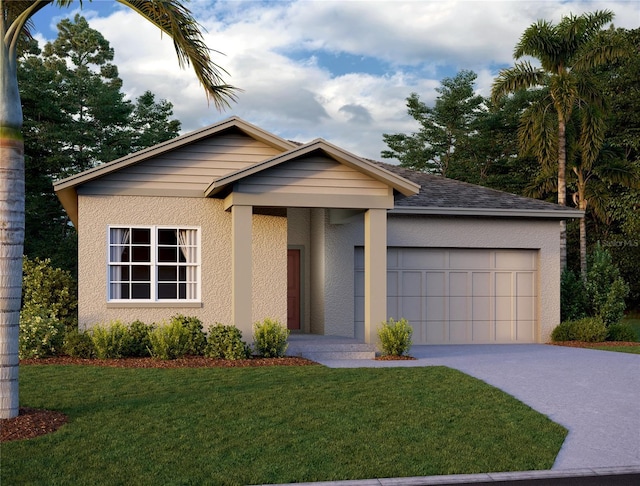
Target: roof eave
569, 213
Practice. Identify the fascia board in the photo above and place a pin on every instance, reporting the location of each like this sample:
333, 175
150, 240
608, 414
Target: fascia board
569, 213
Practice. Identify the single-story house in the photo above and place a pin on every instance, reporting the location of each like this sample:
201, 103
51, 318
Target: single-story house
234, 224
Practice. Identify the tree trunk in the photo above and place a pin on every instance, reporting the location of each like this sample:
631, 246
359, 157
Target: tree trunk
11, 228
562, 187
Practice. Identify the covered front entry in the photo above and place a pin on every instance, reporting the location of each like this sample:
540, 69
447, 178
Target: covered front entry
460, 296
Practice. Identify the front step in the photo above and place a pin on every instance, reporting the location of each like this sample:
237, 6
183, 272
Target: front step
331, 351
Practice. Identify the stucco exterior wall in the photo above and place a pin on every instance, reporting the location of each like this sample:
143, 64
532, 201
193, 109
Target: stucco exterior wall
424, 231
269, 258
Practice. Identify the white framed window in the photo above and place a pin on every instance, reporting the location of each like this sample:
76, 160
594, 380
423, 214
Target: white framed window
153, 263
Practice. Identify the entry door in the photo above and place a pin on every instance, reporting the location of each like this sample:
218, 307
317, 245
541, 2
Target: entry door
293, 289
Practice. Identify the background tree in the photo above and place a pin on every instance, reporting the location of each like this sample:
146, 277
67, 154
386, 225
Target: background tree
567, 53
76, 116
444, 141
171, 18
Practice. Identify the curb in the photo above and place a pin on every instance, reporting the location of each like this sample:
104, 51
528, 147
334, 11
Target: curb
625, 475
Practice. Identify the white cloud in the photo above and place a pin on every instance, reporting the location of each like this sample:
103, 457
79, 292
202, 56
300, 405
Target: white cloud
302, 99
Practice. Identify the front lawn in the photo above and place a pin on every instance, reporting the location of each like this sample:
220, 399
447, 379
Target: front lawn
271, 425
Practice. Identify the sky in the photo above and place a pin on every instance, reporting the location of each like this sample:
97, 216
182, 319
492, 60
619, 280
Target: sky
323, 69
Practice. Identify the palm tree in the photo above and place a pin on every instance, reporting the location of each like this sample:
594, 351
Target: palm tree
567, 53
172, 19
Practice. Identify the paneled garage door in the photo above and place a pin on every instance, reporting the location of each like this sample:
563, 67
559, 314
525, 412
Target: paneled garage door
458, 296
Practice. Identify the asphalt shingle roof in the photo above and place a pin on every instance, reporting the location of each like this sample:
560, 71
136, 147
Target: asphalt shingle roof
440, 192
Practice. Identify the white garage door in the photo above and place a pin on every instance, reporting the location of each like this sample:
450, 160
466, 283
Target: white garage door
458, 296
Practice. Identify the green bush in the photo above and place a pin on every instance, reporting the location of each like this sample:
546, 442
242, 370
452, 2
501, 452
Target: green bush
51, 289
270, 338
225, 342
573, 296
395, 337
606, 290
78, 344
588, 329
170, 341
112, 340
621, 332
139, 345
197, 337
40, 334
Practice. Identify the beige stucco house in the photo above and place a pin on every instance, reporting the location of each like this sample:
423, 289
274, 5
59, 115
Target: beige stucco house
233, 224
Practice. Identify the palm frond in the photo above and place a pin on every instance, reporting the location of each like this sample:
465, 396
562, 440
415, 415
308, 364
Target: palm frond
592, 133
175, 20
538, 40
521, 76
538, 132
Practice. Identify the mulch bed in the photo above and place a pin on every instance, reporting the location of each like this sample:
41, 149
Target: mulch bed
394, 358
32, 422
581, 344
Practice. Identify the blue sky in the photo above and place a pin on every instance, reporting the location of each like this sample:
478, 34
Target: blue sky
337, 70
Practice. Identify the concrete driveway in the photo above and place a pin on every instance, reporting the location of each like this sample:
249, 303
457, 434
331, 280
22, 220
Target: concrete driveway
594, 394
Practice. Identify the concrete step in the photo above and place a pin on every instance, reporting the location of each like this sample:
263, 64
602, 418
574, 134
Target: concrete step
331, 351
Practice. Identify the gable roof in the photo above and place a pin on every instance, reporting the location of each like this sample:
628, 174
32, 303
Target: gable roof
401, 184
441, 196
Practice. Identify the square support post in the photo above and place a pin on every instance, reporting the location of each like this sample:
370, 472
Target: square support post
375, 272
241, 261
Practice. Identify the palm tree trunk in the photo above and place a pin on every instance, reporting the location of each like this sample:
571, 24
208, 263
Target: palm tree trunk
11, 229
562, 187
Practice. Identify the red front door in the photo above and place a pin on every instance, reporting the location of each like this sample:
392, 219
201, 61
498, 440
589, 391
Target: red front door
293, 289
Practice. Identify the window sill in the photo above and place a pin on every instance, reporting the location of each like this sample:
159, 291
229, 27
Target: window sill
149, 305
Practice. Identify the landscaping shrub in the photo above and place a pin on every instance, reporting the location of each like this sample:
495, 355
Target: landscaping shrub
50, 289
395, 337
225, 342
270, 338
621, 332
588, 329
139, 345
78, 344
606, 290
573, 296
197, 338
112, 340
170, 341
40, 334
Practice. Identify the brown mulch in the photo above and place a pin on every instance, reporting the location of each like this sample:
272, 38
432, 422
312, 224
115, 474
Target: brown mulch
581, 344
187, 362
390, 357
32, 422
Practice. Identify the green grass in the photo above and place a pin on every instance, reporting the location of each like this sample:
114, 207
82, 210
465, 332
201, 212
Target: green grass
619, 349
271, 425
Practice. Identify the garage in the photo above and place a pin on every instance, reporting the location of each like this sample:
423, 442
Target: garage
459, 296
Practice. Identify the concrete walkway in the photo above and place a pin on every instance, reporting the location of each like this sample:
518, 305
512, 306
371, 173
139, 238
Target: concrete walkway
594, 394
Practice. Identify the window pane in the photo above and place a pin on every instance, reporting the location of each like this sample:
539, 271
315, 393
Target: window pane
140, 291
119, 254
140, 236
119, 273
167, 254
167, 274
141, 273
141, 254
119, 290
182, 290
167, 237
182, 274
167, 291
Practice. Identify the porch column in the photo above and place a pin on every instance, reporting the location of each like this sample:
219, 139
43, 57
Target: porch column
375, 272
242, 298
